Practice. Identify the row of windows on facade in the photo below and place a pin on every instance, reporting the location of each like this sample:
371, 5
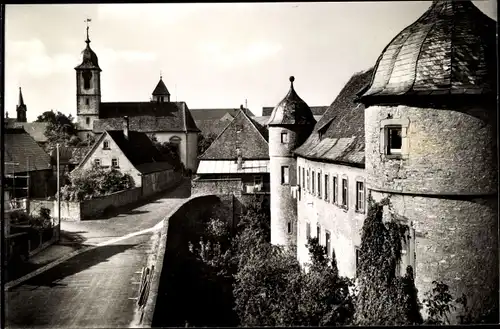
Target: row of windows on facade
114, 162
314, 183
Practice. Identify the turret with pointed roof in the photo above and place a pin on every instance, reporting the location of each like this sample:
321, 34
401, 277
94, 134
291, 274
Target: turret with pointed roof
21, 108
160, 93
290, 124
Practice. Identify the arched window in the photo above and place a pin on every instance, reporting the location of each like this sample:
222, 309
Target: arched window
175, 140
87, 76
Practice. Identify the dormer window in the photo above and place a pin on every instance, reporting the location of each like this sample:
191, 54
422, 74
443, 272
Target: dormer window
105, 145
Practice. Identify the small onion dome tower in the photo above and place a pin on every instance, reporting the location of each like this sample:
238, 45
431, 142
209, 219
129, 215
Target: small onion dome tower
88, 90
160, 93
290, 124
430, 132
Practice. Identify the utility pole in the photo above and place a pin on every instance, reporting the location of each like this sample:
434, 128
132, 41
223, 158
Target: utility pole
58, 196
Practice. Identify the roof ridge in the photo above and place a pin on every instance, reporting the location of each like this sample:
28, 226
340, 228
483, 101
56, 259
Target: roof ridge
216, 138
254, 125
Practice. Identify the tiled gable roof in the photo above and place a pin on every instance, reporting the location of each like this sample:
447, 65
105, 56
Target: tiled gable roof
451, 48
211, 126
19, 147
341, 128
35, 130
316, 110
215, 114
145, 117
138, 148
250, 140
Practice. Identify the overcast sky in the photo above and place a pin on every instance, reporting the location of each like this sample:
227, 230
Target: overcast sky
210, 55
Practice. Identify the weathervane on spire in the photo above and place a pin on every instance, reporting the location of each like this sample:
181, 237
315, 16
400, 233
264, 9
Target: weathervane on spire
88, 20
160, 75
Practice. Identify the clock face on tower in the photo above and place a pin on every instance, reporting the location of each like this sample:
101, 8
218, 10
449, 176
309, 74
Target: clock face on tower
87, 76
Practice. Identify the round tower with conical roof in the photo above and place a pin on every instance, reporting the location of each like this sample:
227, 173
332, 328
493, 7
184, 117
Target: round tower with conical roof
430, 131
88, 91
290, 124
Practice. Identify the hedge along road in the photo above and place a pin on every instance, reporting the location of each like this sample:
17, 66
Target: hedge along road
96, 286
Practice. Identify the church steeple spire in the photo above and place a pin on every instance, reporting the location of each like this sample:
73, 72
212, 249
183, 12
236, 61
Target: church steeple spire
88, 39
21, 108
21, 100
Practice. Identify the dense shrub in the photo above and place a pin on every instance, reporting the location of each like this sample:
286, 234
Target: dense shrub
94, 182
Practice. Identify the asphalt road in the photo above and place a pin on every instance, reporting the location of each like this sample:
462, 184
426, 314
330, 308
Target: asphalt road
96, 288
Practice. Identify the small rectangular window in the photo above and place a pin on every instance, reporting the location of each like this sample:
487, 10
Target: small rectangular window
105, 145
327, 242
326, 187
298, 176
308, 231
87, 121
334, 189
97, 162
257, 180
284, 137
313, 190
394, 140
284, 175
289, 224
360, 196
303, 179
87, 101
319, 185
318, 233
344, 192
114, 162
358, 259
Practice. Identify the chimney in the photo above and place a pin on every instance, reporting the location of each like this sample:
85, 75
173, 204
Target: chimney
239, 159
125, 126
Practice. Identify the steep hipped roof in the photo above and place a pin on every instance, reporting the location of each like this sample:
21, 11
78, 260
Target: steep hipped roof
161, 89
316, 110
339, 135
19, 147
215, 114
146, 117
250, 140
292, 110
451, 48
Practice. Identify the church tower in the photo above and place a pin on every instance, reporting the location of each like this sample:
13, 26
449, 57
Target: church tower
160, 93
290, 124
88, 91
21, 108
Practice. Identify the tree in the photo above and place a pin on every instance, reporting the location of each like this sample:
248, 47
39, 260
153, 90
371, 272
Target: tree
94, 182
171, 152
205, 141
60, 129
384, 298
